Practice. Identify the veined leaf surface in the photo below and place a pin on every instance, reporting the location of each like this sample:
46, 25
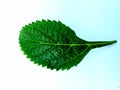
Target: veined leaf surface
55, 45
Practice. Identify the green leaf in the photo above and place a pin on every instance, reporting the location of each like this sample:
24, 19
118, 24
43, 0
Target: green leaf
54, 45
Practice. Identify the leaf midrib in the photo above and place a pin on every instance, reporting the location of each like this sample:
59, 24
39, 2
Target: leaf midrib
59, 44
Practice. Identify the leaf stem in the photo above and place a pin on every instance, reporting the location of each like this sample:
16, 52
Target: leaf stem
101, 43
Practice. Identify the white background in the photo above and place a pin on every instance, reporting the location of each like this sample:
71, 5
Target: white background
93, 20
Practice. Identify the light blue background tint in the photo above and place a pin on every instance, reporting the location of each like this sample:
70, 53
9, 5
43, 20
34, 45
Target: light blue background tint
92, 20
